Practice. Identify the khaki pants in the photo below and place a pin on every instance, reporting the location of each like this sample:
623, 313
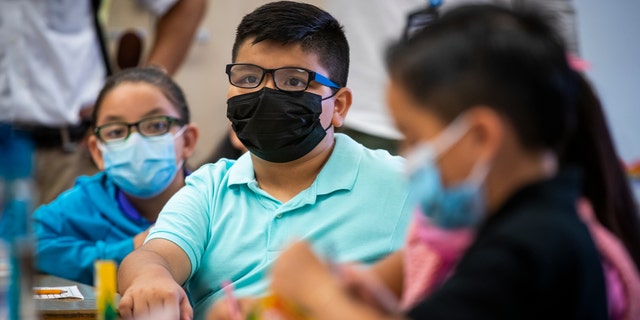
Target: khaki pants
56, 171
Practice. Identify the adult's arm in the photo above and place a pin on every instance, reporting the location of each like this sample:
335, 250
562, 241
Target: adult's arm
175, 31
149, 280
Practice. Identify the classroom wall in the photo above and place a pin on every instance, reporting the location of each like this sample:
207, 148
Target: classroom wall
609, 33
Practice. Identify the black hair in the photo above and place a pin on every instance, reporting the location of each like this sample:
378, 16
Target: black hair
514, 62
289, 22
150, 75
606, 184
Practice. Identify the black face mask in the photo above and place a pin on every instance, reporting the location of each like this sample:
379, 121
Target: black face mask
277, 126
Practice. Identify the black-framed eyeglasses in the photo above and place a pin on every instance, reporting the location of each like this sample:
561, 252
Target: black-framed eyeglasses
288, 79
148, 127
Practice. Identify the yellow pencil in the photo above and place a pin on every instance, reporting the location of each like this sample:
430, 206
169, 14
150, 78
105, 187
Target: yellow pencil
48, 291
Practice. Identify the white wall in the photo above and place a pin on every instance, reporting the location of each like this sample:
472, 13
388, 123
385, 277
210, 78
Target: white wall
609, 33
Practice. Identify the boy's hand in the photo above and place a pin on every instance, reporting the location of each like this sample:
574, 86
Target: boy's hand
155, 297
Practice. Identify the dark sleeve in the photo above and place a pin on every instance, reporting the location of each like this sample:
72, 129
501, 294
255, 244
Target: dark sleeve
517, 271
481, 286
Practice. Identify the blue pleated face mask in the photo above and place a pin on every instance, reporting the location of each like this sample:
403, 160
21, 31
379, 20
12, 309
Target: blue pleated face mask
450, 207
141, 166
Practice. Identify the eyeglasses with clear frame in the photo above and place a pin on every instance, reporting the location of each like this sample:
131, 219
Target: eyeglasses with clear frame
148, 127
288, 79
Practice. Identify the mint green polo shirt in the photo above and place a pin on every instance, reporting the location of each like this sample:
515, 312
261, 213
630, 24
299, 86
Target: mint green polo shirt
355, 210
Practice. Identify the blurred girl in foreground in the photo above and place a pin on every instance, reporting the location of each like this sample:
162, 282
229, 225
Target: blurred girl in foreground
504, 138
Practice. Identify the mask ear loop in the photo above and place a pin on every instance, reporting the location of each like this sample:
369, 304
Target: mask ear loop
180, 132
417, 157
479, 173
450, 135
332, 95
177, 135
458, 128
430, 150
180, 164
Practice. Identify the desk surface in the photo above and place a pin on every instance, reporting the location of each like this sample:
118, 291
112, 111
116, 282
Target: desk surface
65, 309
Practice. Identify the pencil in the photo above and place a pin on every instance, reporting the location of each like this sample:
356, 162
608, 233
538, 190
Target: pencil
48, 291
227, 287
372, 284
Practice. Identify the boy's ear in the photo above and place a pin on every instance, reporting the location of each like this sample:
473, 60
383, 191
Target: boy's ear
342, 103
96, 154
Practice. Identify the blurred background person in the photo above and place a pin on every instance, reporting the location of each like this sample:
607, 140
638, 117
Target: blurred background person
53, 62
370, 26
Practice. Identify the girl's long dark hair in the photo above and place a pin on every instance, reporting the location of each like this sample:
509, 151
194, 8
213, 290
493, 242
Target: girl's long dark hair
606, 184
514, 62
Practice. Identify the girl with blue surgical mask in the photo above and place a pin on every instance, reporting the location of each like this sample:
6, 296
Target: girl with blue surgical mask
142, 136
504, 138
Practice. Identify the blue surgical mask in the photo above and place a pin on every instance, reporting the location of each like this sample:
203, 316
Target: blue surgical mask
450, 207
141, 166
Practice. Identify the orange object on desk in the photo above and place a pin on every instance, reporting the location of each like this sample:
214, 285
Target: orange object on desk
57, 309
48, 291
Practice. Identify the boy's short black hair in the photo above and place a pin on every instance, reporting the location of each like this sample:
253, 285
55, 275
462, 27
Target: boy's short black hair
289, 22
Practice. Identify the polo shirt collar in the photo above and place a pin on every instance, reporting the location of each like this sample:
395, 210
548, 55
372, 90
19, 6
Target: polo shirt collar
338, 173
341, 170
242, 171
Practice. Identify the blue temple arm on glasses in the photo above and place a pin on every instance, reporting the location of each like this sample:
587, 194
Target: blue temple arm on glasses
324, 81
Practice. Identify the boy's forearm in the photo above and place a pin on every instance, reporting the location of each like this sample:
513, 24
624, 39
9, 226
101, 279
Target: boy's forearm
141, 262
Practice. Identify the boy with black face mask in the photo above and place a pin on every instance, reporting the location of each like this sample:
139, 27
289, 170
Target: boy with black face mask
300, 180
